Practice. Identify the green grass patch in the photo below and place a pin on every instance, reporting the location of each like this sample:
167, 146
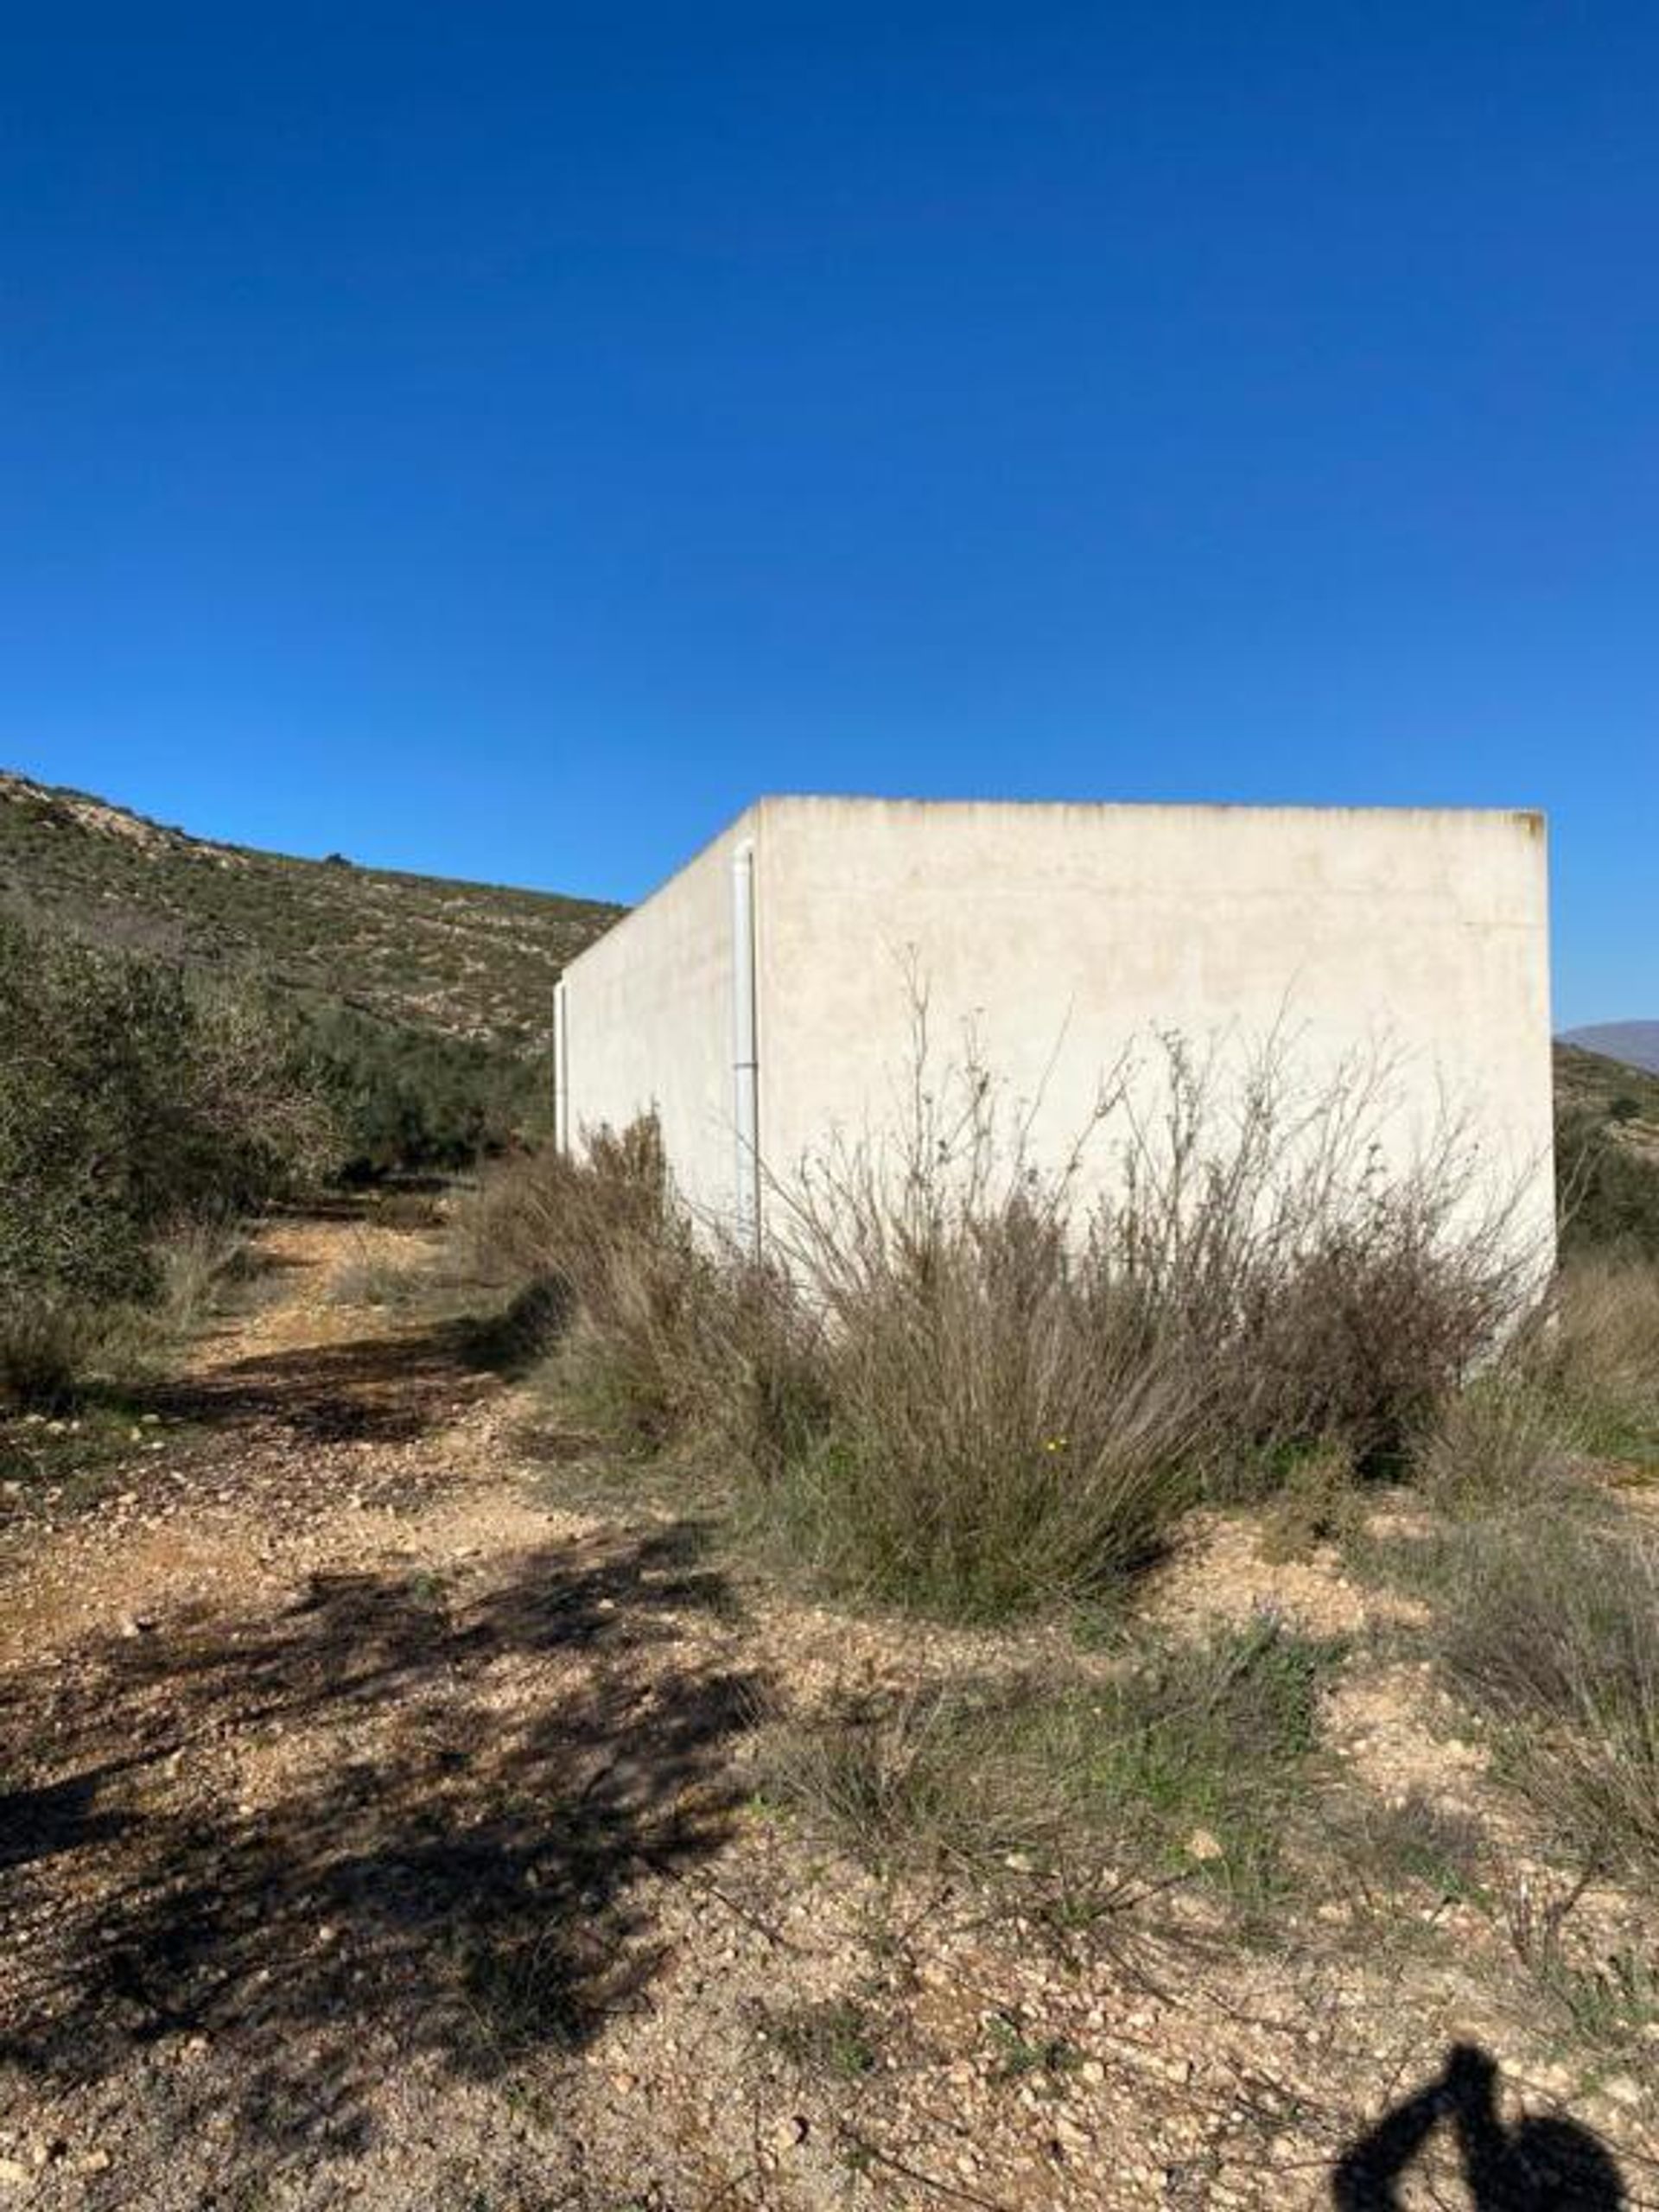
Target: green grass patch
835, 2037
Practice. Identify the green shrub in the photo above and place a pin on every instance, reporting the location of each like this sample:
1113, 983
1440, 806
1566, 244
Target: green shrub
1210, 1742
410, 1101
1609, 1185
833, 2036
131, 1102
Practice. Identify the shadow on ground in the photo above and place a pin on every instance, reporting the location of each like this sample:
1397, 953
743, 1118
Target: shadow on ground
400, 1823
1539, 2165
381, 1388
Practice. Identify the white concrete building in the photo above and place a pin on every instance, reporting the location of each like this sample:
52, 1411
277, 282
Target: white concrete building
759, 1000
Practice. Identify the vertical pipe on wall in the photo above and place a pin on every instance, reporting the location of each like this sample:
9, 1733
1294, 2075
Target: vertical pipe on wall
561, 1072
745, 1058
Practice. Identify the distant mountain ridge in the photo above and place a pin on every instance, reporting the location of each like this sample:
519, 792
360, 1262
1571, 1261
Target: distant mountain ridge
469, 961
1636, 1043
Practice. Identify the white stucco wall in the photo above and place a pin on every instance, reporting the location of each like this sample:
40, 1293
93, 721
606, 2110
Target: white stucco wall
647, 1024
1062, 934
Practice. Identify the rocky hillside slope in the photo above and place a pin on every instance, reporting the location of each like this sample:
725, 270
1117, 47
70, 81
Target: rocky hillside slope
467, 960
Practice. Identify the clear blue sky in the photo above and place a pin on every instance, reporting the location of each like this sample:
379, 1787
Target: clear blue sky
502, 440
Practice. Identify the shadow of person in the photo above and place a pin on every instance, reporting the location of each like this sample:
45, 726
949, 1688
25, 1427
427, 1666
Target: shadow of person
1539, 2165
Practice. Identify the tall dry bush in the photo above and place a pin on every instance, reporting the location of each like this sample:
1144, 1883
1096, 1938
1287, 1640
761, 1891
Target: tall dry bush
545, 1214
664, 1337
1503, 1443
956, 1386
598, 1263
1328, 1293
992, 1434
1577, 1383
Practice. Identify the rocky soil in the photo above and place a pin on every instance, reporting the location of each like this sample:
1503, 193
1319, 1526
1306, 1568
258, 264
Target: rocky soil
381, 1828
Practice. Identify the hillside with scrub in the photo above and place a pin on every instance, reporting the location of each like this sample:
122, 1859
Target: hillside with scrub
426, 1003
1607, 1152
471, 961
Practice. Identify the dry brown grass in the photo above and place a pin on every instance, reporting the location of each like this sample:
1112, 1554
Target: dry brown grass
1548, 1624
1601, 1356
1502, 1441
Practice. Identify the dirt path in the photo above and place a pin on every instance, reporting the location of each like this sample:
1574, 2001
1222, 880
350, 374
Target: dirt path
336, 1758
381, 1832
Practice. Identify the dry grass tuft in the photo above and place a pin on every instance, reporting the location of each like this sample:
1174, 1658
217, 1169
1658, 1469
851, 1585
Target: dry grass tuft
1503, 1442
1600, 1357
1549, 1625
373, 1273
1318, 1501
1187, 1763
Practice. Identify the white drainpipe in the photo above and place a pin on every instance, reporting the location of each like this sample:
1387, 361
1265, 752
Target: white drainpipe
561, 1072
745, 1062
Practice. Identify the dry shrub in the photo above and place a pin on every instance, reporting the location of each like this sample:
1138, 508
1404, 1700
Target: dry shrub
1550, 1626
663, 1338
985, 1433
1021, 1396
1610, 2000
989, 1438
1578, 1382
1328, 1296
1390, 1844
200, 1262
1317, 1502
953, 1387
58, 1350
409, 1210
953, 1773
536, 1215
50, 1348
600, 1266
375, 1271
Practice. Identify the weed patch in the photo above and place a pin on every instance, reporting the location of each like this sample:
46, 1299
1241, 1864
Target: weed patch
835, 2038
1190, 1761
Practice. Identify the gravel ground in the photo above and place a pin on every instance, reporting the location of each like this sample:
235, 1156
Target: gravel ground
383, 1830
